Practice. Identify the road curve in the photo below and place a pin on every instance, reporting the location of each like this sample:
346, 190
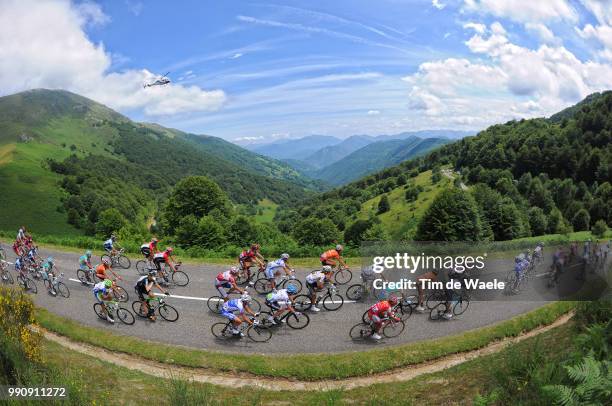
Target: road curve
327, 332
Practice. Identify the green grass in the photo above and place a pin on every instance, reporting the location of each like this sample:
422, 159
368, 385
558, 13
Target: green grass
307, 367
268, 210
404, 216
459, 384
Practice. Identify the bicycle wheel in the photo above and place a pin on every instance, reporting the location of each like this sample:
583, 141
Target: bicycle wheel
137, 308
433, 299
298, 322
343, 276
255, 305
364, 317
214, 304
437, 312
293, 282
63, 290
180, 278
125, 316
124, 262
393, 329
403, 311
82, 275
120, 294
461, 306
511, 283
355, 292
142, 267
221, 330
360, 331
259, 334
263, 286
168, 312
264, 319
98, 310
302, 303
333, 302
7, 278
30, 286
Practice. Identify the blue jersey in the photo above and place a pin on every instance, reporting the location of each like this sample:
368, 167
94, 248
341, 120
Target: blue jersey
233, 305
18, 264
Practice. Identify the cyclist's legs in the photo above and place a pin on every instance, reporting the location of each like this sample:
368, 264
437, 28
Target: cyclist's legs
376, 321
427, 276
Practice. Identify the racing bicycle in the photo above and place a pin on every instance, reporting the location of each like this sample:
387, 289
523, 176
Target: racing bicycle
117, 259
5, 274
114, 308
295, 320
257, 333
215, 303
390, 328
264, 285
331, 300
167, 312
55, 285
177, 277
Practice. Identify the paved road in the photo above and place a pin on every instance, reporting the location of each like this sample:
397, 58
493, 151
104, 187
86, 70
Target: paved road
327, 332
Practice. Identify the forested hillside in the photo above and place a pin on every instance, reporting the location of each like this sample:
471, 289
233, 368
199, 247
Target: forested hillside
527, 177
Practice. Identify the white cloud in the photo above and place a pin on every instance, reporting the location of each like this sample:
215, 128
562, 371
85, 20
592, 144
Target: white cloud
438, 4
543, 32
58, 54
479, 28
135, 7
510, 82
525, 11
602, 34
373, 112
601, 9
236, 55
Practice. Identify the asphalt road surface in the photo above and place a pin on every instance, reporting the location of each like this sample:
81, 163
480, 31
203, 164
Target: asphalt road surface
327, 332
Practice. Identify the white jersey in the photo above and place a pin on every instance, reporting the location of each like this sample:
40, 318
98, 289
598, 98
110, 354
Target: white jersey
109, 242
278, 296
277, 264
145, 245
316, 276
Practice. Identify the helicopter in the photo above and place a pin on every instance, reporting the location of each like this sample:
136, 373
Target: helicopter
163, 80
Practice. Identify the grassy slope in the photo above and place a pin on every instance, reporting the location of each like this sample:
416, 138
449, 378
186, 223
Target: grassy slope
268, 208
460, 383
404, 216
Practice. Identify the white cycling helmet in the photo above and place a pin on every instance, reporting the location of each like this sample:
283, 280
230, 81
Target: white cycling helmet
326, 268
285, 256
233, 270
245, 298
339, 247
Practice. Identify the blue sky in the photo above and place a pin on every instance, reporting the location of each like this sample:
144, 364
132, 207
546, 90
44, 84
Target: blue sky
258, 70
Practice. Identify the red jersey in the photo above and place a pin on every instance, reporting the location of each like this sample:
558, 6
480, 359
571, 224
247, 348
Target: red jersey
331, 254
380, 308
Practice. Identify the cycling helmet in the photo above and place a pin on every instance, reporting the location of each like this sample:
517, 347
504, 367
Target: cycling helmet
88, 253
113, 237
233, 270
152, 272
255, 247
108, 283
169, 250
291, 289
245, 298
326, 269
393, 300
339, 247
285, 256
154, 240
106, 261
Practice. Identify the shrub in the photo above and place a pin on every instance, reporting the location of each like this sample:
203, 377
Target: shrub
599, 228
315, 231
110, 221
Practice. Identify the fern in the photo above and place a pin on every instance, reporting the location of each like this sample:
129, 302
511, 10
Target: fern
592, 384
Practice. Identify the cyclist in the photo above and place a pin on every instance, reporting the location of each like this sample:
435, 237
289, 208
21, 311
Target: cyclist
538, 252
149, 249
279, 301
331, 256
103, 293
520, 266
17, 248
85, 264
246, 259
21, 234
47, 269
381, 310
274, 268
20, 267
558, 261
315, 282
164, 257
32, 254
144, 288
240, 305
103, 267
227, 280
431, 276
109, 245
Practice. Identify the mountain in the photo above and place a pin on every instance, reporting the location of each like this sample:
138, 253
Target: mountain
296, 149
449, 134
526, 178
374, 157
64, 158
333, 153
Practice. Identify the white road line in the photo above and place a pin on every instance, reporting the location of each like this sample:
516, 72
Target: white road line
198, 298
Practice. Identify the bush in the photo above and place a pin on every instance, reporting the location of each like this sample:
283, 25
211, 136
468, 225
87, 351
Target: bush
315, 231
110, 221
383, 205
599, 228
537, 221
581, 220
